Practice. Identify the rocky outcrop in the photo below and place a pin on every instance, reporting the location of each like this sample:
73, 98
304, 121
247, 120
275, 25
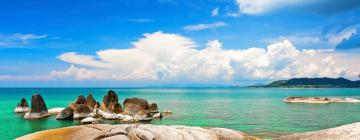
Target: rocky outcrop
22, 107
110, 107
80, 100
344, 132
38, 108
137, 132
81, 111
90, 101
320, 100
153, 107
136, 106
65, 114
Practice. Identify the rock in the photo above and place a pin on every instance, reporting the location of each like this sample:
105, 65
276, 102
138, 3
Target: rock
138, 106
158, 115
153, 107
80, 100
67, 113
38, 108
55, 111
22, 107
167, 112
81, 111
88, 120
110, 97
114, 107
320, 100
344, 132
137, 132
90, 101
110, 107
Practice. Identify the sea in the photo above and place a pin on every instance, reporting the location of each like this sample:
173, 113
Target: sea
259, 112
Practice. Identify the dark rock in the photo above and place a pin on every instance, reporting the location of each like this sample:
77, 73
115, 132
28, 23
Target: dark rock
81, 111
153, 107
90, 101
114, 107
38, 108
22, 107
136, 106
67, 113
80, 100
110, 97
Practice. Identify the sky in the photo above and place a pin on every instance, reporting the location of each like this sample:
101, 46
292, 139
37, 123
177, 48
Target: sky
119, 43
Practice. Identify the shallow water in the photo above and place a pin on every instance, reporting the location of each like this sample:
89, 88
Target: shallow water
259, 112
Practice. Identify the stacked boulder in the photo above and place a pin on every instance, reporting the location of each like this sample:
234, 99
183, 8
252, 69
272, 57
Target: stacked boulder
110, 107
22, 107
38, 108
79, 109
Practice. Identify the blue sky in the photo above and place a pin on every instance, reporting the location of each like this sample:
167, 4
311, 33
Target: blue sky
40, 38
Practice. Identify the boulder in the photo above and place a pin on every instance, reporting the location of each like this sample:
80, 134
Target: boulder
114, 107
110, 107
88, 120
80, 100
153, 107
66, 113
110, 97
38, 108
135, 106
55, 111
158, 115
344, 132
90, 101
22, 107
137, 132
81, 111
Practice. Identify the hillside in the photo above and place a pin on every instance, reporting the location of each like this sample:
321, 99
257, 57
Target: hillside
314, 83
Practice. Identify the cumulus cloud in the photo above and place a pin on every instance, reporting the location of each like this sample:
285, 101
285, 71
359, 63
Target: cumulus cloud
162, 57
205, 26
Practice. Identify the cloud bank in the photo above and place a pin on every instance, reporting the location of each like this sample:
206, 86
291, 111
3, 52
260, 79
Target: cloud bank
174, 58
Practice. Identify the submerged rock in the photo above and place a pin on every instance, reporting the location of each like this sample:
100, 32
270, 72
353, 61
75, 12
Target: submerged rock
65, 114
320, 100
344, 132
138, 132
38, 108
22, 107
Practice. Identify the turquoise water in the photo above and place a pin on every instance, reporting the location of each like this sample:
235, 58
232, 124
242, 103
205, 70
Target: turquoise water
258, 112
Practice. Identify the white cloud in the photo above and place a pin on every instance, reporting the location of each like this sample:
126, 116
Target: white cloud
253, 7
205, 26
335, 39
162, 57
18, 39
215, 12
141, 20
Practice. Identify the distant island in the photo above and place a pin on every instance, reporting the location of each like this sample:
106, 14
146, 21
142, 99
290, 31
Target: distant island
312, 83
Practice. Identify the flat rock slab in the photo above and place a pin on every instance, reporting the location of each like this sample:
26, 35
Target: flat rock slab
136, 132
320, 100
344, 132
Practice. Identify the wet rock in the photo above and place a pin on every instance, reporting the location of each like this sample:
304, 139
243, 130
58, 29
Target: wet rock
80, 100
81, 111
88, 120
90, 101
38, 108
153, 107
67, 113
137, 106
158, 115
22, 107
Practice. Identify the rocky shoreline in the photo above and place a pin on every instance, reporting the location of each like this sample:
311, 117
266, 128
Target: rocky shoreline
320, 100
162, 132
88, 110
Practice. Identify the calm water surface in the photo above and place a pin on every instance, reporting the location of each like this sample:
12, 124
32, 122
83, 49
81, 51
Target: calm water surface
258, 112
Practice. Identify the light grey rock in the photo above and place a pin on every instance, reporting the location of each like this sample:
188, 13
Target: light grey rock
320, 100
344, 132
